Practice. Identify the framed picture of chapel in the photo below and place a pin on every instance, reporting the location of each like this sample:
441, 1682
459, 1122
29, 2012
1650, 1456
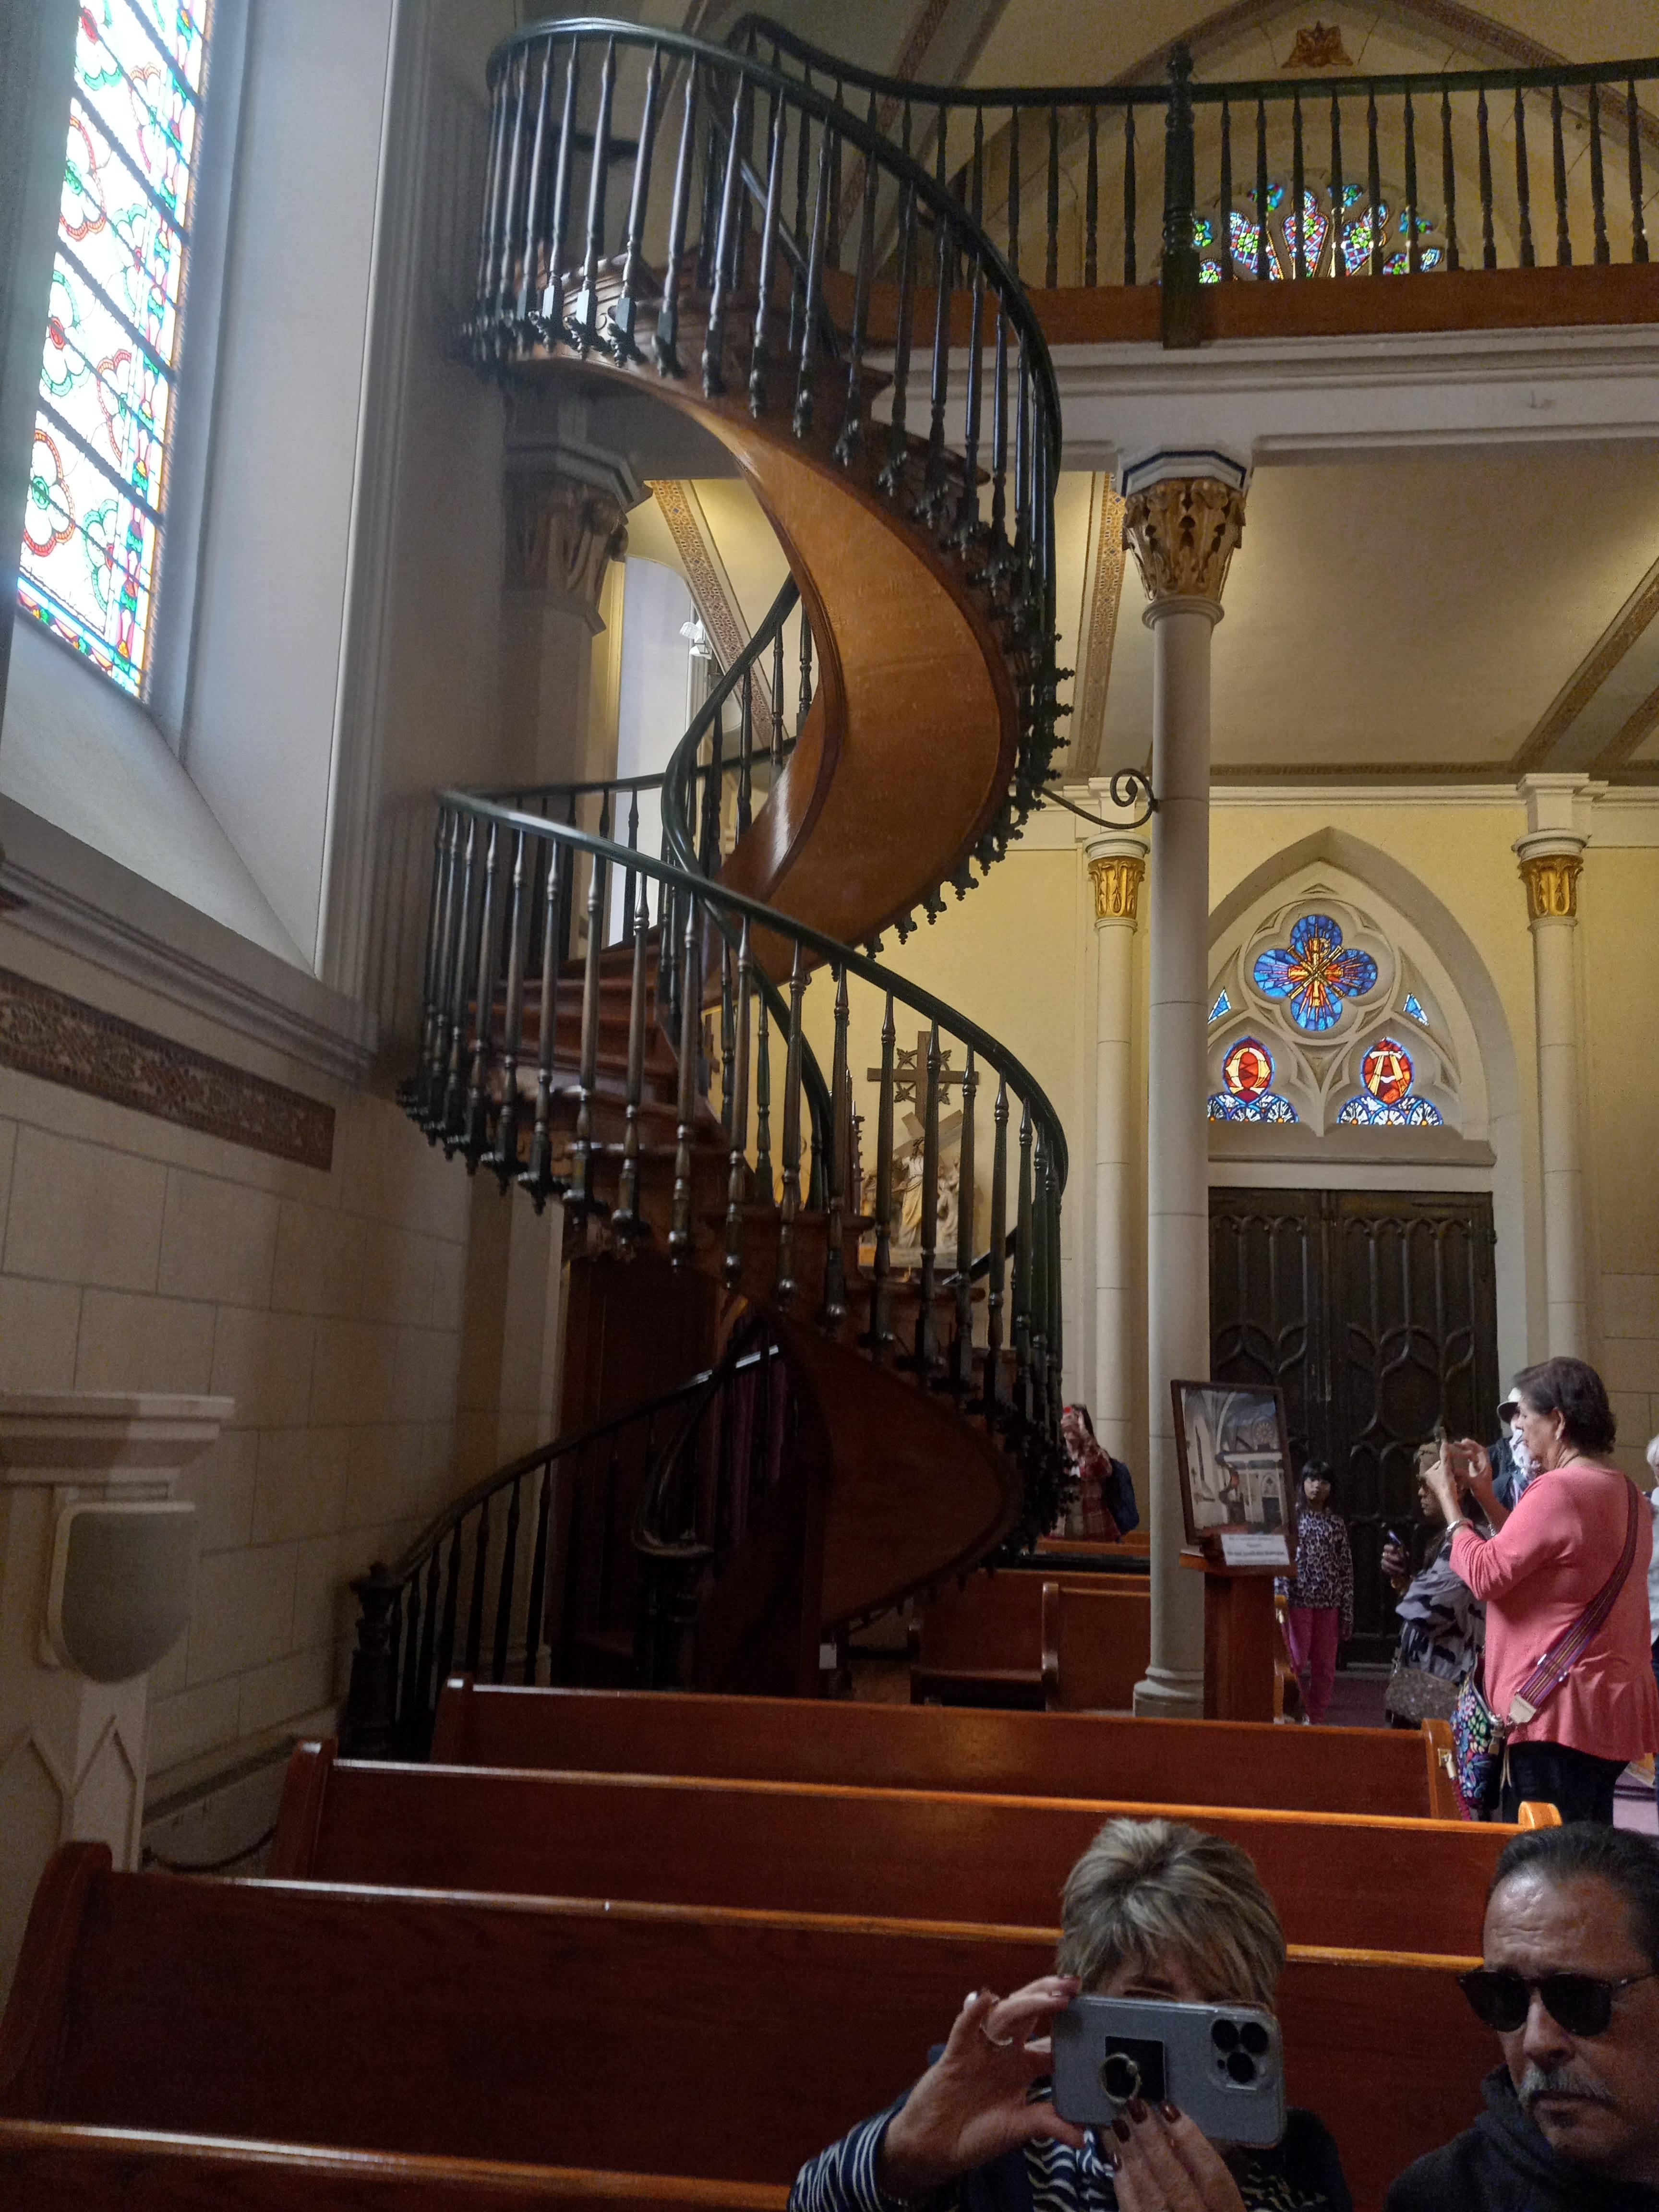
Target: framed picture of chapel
1237, 1491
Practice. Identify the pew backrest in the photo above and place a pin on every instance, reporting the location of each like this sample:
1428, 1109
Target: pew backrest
1096, 1645
722, 2046
1373, 1770
1335, 1877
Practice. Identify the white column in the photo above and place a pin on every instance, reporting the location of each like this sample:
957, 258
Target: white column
1183, 518
1116, 866
89, 1603
1551, 856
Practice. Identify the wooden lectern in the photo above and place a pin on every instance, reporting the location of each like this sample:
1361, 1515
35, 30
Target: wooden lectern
1239, 1636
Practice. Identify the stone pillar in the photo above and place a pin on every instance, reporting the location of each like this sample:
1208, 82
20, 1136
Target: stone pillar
1116, 866
561, 536
1551, 856
1183, 518
72, 1747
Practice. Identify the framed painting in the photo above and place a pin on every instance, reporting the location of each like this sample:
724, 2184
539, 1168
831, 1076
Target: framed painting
1235, 1465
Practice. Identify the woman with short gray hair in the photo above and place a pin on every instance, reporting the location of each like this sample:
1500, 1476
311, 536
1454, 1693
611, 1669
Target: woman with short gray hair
1153, 1910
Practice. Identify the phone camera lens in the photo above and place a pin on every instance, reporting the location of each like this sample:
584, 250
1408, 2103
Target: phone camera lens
1241, 2068
1223, 2035
1254, 2037
1120, 2078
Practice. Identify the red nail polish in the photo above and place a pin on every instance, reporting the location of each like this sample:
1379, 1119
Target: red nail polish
1172, 2112
1121, 2129
1137, 2110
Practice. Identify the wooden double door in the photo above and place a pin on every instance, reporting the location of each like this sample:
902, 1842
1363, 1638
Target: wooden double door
1375, 1312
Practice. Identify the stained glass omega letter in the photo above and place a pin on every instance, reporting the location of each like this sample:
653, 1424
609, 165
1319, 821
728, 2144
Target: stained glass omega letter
96, 516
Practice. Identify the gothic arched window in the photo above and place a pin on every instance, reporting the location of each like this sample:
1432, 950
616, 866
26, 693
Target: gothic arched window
1318, 244
96, 516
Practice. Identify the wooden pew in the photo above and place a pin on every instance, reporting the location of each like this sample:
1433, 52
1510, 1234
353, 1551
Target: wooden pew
716, 2045
984, 1641
48, 2167
1096, 1645
1327, 1770
791, 1847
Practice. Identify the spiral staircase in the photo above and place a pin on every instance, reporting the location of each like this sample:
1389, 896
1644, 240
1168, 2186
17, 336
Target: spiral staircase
664, 1041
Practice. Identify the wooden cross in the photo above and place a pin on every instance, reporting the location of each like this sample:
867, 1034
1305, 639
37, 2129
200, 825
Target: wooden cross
910, 1074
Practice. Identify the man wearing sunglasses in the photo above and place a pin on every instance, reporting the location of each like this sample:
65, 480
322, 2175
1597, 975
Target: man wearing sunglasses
1570, 1982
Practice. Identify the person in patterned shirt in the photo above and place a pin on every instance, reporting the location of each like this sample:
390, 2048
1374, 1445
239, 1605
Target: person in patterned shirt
1321, 1592
1152, 1908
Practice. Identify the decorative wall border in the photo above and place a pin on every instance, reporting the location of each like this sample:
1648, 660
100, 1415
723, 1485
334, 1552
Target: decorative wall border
704, 572
63, 1040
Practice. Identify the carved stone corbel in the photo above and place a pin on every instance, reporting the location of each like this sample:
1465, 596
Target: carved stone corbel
561, 538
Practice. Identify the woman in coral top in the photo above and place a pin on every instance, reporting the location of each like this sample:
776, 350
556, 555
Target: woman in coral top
1543, 1563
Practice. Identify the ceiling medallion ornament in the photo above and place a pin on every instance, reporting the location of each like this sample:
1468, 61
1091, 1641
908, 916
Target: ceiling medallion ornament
1183, 532
1552, 882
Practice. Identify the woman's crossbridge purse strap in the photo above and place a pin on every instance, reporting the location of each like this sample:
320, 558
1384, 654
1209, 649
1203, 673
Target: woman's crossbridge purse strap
1547, 1676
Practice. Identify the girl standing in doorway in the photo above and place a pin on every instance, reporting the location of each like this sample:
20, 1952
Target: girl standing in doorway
1321, 1592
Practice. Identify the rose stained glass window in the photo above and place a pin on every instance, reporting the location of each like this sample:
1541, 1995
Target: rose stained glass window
1315, 973
1321, 237
1388, 1100
94, 517
1246, 1075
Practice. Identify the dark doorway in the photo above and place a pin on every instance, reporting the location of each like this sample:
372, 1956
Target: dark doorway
1375, 1312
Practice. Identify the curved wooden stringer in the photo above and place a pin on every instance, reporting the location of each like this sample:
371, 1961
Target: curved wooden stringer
635, 1034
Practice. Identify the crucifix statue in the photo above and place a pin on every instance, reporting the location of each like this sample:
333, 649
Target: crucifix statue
910, 1074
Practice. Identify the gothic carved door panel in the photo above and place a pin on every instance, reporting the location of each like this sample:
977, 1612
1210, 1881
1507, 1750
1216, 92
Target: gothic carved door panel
1375, 1312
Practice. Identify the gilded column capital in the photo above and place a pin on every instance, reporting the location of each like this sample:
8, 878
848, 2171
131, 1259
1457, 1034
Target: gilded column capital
1183, 532
1117, 874
1552, 882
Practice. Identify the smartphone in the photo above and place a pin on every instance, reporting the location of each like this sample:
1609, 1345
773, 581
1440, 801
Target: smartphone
1224, 2065
1394, 1537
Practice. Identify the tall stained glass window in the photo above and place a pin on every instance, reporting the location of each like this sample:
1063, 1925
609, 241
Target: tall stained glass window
96, 512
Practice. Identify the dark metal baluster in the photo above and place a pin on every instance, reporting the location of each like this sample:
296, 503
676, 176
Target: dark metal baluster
1638, 236
798, 286
777, 700
852, 422
624, 318
665, 345
897, 440
1558, 169
625, 1221
587, 303
1024, 1257
454, 1099
480, 1569
1051, 257
432, 994
1261, 190
417, 1710
1598, 182
634, 889
530, 275
1374, 185
977, 202
881, 1309
1090, 204
504, 185
1339, 257
446, 1651
806, 695
736, 1181
835, 1257
762, 1190
713, 380
728, 1023
941, 165
927, 1332
1130, 217
944, 270
1037, 1301
999, 442
534, 1620
507, 1127
996, 1273
494, 160
584, 1148
1224, 219
1013, 191
962, 1342
553, 317
791, 1207
809, 336
680, 1233
504, 1589
1523, 182
768, 239
968, 523
1488, 243
1299, 186
483, 1011
1448, 179
1414, 248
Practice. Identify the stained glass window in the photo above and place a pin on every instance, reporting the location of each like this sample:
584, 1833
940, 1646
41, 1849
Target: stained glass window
1388, 1100
94, 519
1414, 1008
1315, 973
1248, 1095
1321, 237
1224, 1005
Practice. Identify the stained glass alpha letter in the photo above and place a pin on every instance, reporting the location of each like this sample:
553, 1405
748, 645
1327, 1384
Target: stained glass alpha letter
96, 516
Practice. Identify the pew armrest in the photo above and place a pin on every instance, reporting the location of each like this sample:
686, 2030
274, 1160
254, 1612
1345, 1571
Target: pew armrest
1537, 1813
32, 2030
300, 1816
1444, 1804
1051, 1647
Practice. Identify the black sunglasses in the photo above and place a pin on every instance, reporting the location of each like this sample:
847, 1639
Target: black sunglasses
1501, 1998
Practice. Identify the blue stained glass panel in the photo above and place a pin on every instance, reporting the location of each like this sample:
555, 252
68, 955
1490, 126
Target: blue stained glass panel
1315, 973
1414, 1008
1268, 1106
1410, 1113
1224, 1005
125, 243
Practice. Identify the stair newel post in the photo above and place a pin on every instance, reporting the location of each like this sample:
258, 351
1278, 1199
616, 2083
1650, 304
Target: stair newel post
961, 1343
768, 241
483, 1010
665, 345
623, 317
553, 291
506, 1126
480, 1573
790, 1208
931, 501
369, 1721
835, 1257
625, 1221
736, 1181
968, 525
996, 1273
714, 381
530, 242
539, 1169
586, 316
1022, 1285
505, 1589
583, 1149
691, 996
764, 1193
454, 1096
897, 440
927, 1332
881, 1309
852, 421
813, 304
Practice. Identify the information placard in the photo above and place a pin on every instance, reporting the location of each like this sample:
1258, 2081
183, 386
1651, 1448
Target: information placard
1254, 1548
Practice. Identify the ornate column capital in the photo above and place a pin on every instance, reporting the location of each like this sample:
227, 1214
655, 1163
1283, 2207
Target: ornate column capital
1183, 516
561, 537
1117, 868
1550, 868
